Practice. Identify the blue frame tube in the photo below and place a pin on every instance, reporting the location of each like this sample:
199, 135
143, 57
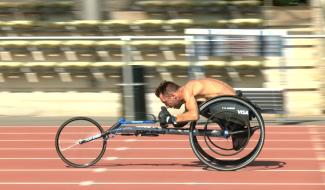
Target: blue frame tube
122, 121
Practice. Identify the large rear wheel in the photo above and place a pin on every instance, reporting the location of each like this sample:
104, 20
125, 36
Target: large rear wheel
240, 146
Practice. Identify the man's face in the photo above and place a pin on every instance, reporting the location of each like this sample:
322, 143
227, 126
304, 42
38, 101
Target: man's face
170, 101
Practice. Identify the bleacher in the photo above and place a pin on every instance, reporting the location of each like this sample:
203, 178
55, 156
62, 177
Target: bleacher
219, 8
35, 61
35, 17
118, 27
36, 10
74, 55
96, 65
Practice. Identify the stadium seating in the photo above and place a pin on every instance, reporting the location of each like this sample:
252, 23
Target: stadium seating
36, 10
106, 51
103, 59
177, 9
119, 27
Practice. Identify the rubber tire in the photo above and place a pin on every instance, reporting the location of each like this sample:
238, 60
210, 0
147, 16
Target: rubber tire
57, 147
228, 165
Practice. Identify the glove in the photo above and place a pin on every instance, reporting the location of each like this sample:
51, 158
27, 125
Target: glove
165, 117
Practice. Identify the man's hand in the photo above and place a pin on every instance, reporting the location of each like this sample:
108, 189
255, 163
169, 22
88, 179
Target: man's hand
165, 117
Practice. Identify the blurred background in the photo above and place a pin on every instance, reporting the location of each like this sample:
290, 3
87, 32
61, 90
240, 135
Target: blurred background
106, 57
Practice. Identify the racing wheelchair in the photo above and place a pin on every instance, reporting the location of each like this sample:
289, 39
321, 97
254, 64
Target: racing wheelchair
229, 136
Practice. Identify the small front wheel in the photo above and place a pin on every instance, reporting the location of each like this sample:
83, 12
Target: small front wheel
71, 146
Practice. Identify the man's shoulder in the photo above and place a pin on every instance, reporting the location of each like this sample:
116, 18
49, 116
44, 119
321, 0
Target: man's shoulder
193, 87
191, 83
200, 81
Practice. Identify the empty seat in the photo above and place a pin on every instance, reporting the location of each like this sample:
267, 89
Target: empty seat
110, 50
80, 50
116, 27
47, 50
146, 50
147, 27
15, 50
175, 50
85, 27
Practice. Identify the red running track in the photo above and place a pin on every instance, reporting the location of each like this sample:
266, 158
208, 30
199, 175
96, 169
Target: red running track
293, 158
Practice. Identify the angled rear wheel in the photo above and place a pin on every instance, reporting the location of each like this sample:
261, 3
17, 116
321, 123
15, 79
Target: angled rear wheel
244, 131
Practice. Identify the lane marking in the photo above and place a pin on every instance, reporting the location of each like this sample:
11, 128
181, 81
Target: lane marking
86, 183
111, 158
107, 126
158, 148
98, 170
84, 133
102, 170
126, 148
152, 158
159, 183
70, 133
194, 158
44, 126
166, 140
129, 140
30, 126
318, 154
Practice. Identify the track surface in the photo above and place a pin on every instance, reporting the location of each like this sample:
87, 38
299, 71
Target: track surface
293, 158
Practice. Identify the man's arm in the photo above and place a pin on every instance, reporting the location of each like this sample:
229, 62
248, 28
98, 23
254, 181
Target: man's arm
191, 113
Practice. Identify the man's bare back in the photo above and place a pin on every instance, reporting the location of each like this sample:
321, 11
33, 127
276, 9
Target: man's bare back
200, 90
204, 89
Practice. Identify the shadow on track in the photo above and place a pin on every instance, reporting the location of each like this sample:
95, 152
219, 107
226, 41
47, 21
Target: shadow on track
267, 164
192, 164
264, 165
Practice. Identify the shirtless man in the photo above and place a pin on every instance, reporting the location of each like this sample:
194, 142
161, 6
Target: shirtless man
193, 92
190, 94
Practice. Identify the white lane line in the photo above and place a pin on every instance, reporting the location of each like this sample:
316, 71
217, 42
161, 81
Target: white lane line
44, 126
127, 140
102, 170
111, 158
153, 158
85, 133
37, 133
166, 140
126, 148
194, 158
107, 126
30, 126
160, 183
158, 148
99, 170
318, 154
86, 183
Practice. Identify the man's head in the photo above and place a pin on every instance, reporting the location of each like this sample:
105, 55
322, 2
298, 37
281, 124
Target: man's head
167, 92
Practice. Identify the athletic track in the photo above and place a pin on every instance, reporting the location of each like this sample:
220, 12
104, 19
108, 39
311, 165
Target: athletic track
293, 158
